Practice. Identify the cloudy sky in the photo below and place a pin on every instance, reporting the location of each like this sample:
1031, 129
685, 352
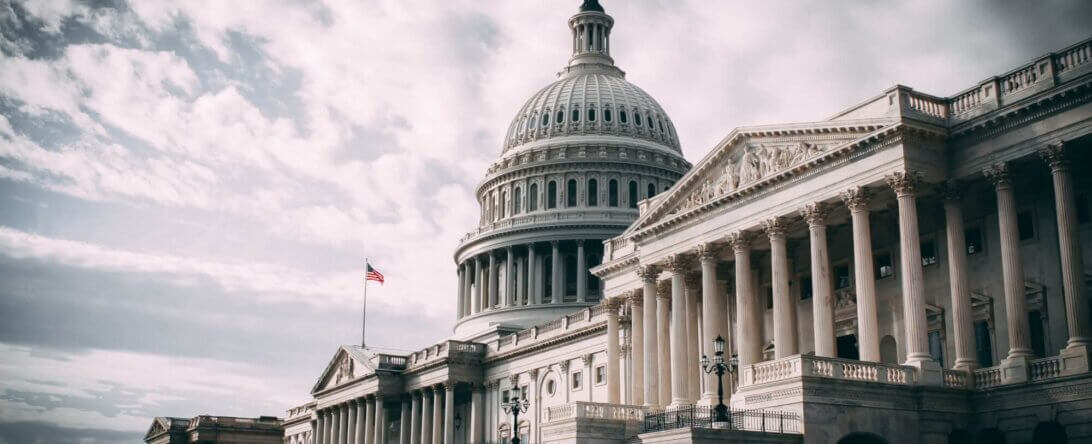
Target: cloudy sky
188, 189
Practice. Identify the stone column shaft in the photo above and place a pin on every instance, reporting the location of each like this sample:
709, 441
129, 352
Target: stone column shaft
913, 280
521, 282
679, 366
404, 423
351, 437
380, 421
663, 336
785, 338
415, 419
693, 373
822, 295
426, 417
477, 419
320, 428
868, 333
476, 306
651, 346
637, 342
962, 321
449, 413
750, 337
509, 279
1069, 249
532, 288
339, 433
613, 357
494, 284
714, 313
581, 273
437, 415
556, 292
369, 420
1012, 270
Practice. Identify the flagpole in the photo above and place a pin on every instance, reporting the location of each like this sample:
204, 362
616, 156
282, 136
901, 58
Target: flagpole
364, 309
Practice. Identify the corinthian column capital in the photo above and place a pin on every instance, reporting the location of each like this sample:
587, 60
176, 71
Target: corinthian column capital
815, 214
775, 227
707, 252
612, 304
1055, 156
951, 190
740, 241
663, 289
677, 263
648, 273
998, 173
905, 183
636, 298
857, 198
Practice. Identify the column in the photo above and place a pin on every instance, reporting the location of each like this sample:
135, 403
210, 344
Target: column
533, 297
415, 418
1069, 251
784, 310
648, 274
477, 419
663, 335
581, 273
351, 437
713, 313
677, 264
369, 420
449, 413
1012, 270
509, 278
491, 298
331, 426
521, 284
476, 307
404, 422
339, 432
316, 429
467, 299
962, 321
438, 414
426, 416
320, 427
905, 184
693, 373
868, 332
637, 341
750, 345
822, 298
555, 278
380, 421
460, 312
613, 387
588, 359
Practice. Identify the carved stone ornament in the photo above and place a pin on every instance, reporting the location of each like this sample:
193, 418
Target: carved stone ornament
998, 174
693, 280
677, 263
648, 273
587, 358
905, 183
740, 241
857, 198
707, 252
1054, 155
636, 297
815, 214
344, 370
775, 227
951, 189
845, 299
564, 365
663, 289
611, 305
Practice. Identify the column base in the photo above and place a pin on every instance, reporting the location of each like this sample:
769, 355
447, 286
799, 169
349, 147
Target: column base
1076, 359
928, 372
676, 405
1014, 370
968, 365
707, 400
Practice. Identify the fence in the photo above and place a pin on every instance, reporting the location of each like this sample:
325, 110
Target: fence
704, 417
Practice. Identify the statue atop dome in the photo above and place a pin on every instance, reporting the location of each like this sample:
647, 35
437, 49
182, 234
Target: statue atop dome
591, 5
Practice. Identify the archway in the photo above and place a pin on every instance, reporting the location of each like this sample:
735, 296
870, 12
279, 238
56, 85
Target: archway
1049, 432
992, 435
862, 438
889, 351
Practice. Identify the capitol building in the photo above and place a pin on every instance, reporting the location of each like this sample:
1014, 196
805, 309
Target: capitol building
913, 269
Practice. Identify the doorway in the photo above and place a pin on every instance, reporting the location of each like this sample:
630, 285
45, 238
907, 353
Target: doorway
847, 347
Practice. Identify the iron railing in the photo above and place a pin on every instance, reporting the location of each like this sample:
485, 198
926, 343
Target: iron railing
705, 417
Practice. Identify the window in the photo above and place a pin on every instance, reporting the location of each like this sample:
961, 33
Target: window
518, 202
650, 125
570, 191
983, 343
633, 194
548, 278
560, 116
504, 395
622, 116
637, 118
661, 122
1038, 338
841, 276
1083, 215
576, 115
936, 347
551, 387
545, 119
606, 115
974, 241
1025, 225
601, 375
805, 287
928, 252
551, 195
577, 382
884, 268
593, 193
503, 204
612, 193
533, 197
651, 190
591, 114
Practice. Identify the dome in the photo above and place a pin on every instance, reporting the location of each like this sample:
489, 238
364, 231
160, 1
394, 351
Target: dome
591, 102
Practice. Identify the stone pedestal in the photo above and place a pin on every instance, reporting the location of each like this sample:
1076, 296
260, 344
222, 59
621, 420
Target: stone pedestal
1014, 370
1076, 359
928, 372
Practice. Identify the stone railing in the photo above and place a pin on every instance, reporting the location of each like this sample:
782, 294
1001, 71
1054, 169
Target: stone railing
1045, 368
833, 368
441, 351
391, 362
552, 216
595, 410
955, 378
302, 411
580, 319
987, 377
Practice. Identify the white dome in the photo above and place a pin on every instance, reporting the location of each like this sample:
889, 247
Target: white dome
603, 103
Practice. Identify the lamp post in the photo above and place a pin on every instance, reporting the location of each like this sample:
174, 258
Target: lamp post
719, 366
515, 405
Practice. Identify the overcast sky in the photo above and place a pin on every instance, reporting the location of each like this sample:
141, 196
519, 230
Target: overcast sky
188, 189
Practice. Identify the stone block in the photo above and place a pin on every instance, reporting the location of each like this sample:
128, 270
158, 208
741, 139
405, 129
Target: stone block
1075, 360
1014, 370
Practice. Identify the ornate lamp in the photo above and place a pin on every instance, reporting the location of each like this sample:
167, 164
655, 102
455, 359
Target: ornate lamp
720, 367
514, 406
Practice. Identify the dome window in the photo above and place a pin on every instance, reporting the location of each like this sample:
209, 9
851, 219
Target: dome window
518, 201
591, 114
576, 115
651, 190
545, 119
637, 118
593, 193
503, 205
570, 191
606, 115
532, 197
650, 125
633, 194
661, 125
612, 198
551, 195
622, 116
560, 117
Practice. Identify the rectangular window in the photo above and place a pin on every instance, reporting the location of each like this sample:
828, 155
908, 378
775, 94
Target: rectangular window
1025, 224
983, 344
841, 276
600, 375
974, 240
577, 382
1083, 215
1038, 340
883, 265
805, 287
936, 347
928, 252
504, 395
523, 391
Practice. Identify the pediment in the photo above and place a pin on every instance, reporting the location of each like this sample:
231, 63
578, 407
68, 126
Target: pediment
347, 364
160, 425
748, 158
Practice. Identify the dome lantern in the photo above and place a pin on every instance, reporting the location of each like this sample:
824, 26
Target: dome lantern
591, 39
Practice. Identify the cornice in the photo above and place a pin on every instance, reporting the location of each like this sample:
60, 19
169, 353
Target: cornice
579, 164
542, 230
1024, 111
591, 330
629, 260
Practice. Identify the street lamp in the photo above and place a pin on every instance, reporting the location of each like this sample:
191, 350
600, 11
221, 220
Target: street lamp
720, 367
515, 405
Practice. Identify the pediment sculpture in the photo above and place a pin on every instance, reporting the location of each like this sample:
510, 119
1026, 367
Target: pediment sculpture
344, 370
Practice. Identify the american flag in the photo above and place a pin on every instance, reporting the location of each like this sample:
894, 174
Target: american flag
373, 274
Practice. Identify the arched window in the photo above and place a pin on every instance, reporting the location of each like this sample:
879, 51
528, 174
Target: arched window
503, 204
576, 115
518, 203
637, 118
622, 115
570, 191
606, 115
650, 125
551, 195
661, 122
560, 116
651, 190
593, 193
591, 114
545, 119
633, 194
612, 189
533, 198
